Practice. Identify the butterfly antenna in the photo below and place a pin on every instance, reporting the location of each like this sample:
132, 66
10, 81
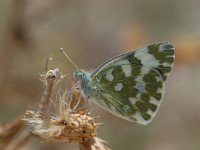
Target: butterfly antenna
67, 56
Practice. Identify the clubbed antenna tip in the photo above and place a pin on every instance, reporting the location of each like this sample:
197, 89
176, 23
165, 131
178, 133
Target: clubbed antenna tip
67, 56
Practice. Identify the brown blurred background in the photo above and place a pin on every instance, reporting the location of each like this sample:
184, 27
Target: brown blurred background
93, 31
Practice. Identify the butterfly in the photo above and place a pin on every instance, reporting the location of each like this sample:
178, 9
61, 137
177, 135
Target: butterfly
131, 85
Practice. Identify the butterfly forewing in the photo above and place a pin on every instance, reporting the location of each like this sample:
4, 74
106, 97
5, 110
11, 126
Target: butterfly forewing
131, 85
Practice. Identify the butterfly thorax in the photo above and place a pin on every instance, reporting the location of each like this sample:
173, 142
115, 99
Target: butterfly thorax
85, 82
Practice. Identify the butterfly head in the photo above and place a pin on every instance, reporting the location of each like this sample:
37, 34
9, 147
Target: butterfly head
79, 75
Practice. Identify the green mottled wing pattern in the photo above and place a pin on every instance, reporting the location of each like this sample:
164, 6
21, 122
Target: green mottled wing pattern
131, 85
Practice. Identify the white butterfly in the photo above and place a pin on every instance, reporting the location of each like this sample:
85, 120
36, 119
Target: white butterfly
130, 85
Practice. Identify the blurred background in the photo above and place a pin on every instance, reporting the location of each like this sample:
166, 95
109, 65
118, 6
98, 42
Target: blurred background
92, 31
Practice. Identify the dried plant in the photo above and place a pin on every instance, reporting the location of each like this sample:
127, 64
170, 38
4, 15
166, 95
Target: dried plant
70, 122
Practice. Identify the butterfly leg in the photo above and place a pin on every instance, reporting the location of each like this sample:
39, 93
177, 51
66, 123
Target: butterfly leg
81, 103
87, 104
78, 102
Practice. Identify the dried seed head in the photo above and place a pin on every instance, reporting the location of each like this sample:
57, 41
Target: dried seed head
66, 125
51, 76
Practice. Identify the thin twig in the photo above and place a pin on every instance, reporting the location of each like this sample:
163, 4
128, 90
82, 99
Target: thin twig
18, 142
7, 131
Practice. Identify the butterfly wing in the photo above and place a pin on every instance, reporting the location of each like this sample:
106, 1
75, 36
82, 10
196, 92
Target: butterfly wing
131, 85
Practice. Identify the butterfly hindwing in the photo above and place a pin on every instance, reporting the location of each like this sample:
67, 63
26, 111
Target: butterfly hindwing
131, 85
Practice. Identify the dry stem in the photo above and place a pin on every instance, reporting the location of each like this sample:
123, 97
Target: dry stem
20, 141
50, 79
7, 131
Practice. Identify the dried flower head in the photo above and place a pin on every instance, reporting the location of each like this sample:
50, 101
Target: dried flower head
66, 124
